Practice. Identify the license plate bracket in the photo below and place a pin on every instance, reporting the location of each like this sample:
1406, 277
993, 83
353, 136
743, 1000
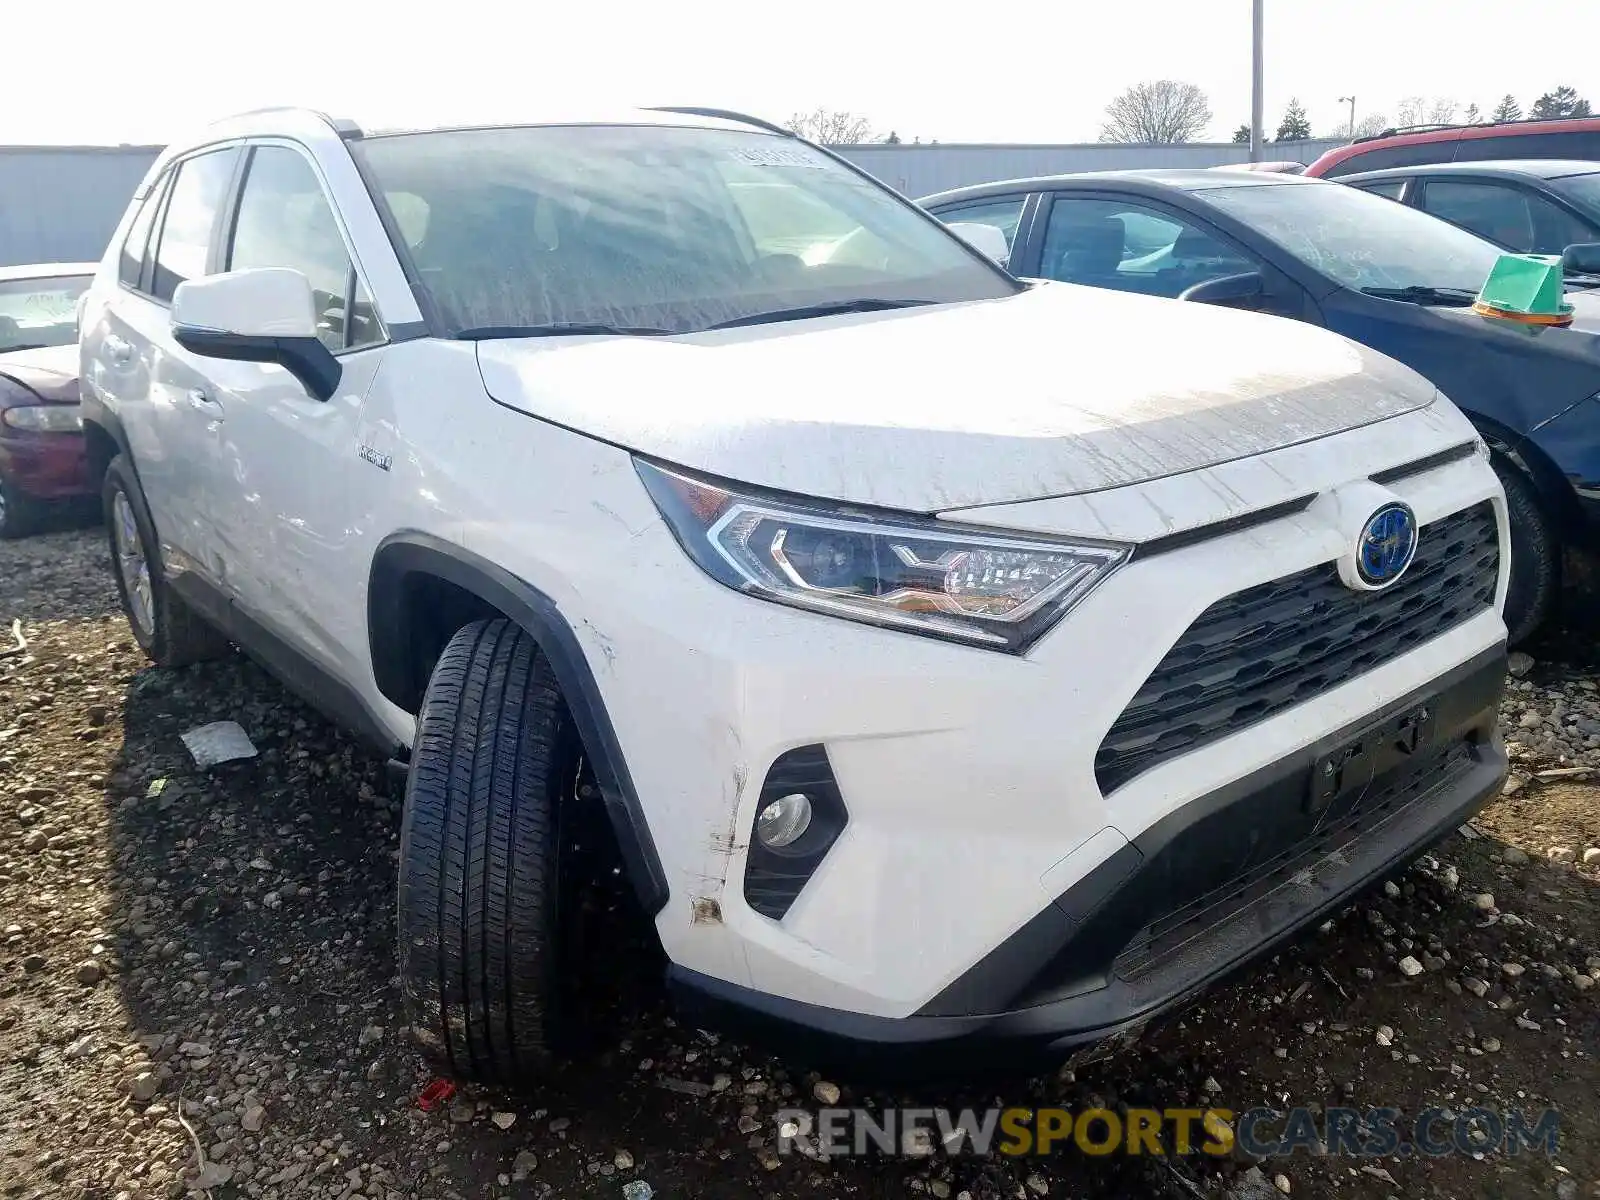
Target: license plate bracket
1374, 751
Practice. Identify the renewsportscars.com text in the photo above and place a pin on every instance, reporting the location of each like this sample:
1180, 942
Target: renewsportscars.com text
1258, 1132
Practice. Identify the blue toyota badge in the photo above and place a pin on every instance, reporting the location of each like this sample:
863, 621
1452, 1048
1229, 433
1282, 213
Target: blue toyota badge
1387, 545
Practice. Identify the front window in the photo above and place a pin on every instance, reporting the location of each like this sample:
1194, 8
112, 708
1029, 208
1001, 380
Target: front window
40, 312
1124, 245
284, 220
1583, 191
653, 229
1360, 240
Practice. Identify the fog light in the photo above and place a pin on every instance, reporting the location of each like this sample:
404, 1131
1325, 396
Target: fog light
782, 822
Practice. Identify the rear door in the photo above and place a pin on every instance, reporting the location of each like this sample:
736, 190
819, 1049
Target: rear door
148, 380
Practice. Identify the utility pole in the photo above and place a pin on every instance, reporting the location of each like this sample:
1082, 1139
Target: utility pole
1352, 102
1256, 138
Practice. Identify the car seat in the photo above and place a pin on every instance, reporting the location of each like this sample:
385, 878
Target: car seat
1090, 253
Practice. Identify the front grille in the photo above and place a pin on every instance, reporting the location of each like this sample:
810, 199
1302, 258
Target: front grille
1273, 646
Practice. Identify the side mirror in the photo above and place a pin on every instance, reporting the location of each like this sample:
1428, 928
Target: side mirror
265, 315
985, 239
1227, 289
1582, 258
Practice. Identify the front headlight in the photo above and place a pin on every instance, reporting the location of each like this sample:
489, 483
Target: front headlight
45, 418
905, 572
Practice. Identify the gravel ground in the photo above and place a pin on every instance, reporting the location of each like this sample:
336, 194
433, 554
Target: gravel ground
197, 993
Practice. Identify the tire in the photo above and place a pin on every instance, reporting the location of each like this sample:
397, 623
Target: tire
1535, 583
479, 857
19, 514
166, 628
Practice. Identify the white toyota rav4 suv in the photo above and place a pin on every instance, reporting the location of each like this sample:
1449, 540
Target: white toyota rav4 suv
960, 663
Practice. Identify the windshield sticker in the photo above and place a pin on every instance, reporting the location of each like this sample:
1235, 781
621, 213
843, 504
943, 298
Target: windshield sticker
777, 156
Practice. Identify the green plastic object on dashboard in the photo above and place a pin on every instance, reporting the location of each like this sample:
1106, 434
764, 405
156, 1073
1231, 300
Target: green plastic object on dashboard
1526, 287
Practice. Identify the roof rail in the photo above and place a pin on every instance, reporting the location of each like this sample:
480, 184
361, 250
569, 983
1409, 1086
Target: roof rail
343, 126
725, 114
1399, 129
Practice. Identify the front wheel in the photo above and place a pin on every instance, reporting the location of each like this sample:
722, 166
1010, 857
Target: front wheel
1535, 582
495, 754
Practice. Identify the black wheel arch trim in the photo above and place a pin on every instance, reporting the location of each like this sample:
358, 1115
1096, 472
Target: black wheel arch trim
416, 553
98, 414
1523, 454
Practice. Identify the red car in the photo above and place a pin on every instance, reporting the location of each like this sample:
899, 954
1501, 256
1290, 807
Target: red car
42, 448
1574, 137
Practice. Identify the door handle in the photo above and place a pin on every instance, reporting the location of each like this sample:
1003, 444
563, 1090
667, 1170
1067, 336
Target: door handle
200, 402
119, 351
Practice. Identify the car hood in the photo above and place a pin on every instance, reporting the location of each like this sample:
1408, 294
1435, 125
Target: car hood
1056, 391
50, 371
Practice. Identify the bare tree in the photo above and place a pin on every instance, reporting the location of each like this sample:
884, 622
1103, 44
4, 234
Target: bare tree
1421, 110
1164, 111
1370, 125
831, 127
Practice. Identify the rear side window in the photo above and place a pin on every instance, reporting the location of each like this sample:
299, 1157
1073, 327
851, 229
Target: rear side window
1381, 158
1389, 189
1003, 212
1580, 143
198, 191
130, 264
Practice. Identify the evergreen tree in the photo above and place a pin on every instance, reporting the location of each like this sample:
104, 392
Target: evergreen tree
1560, 104
1294, 127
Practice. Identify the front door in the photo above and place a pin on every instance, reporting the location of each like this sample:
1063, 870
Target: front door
1134, 245
282, 460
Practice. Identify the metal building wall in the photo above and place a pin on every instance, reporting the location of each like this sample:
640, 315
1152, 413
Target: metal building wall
920, 170
62, 203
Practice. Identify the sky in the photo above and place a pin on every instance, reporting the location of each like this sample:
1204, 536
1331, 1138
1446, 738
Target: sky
1027, 71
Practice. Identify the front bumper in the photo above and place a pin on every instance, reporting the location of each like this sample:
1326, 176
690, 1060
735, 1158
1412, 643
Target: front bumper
972, 780
46, 466
1266, 856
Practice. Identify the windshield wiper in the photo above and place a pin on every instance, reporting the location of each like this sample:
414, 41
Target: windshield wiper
806, 311
24, 346
1420, 294
483, 333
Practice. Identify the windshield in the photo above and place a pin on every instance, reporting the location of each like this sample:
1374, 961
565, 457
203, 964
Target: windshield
1360, 240
1582, 190
40, 312
651, 227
